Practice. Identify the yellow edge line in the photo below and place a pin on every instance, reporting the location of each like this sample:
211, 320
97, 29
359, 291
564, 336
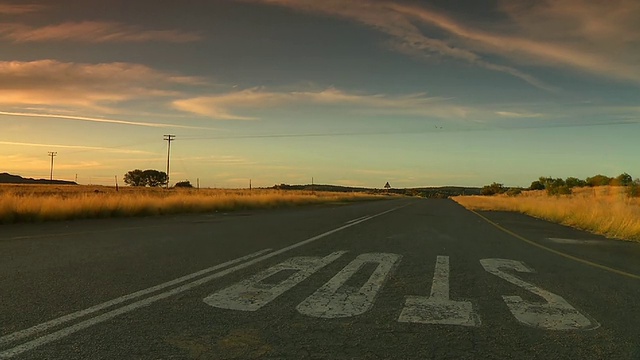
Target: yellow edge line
571, 257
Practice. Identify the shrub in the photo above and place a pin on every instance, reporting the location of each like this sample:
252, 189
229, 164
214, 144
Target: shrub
559, 190
536, 185
514, 192
183, 184
633, 190
494, 188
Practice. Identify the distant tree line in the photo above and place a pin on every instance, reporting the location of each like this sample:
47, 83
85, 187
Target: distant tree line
559, 186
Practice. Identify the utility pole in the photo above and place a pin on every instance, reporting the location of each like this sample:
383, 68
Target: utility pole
249, 184
168, 139
52, 154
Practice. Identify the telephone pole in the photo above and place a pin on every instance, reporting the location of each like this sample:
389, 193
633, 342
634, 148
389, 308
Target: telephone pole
168, 139
52, 154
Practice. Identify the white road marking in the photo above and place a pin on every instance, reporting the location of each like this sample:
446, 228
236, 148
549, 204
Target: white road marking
438, 308
353, 220
78, 314
45, 339
334, 299
555, 314
252, 294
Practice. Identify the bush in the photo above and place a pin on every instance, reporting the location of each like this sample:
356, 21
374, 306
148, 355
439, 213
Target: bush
559, 190
572, 182
598, 180
495, 188
183, 184
536, 185
633, 190
514, 192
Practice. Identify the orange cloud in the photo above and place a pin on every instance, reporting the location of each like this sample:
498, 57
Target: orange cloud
92, 32
17, 9
220, 106
57, 84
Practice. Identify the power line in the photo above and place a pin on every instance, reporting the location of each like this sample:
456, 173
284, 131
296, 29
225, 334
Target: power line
168, 139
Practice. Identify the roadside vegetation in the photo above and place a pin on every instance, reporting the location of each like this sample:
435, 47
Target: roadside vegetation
33, 203
599, 204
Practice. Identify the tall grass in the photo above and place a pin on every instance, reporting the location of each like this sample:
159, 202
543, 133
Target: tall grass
39, 203
604, 210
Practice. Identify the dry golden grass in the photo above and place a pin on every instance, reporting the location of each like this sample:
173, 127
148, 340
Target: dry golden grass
19, 203
604, 210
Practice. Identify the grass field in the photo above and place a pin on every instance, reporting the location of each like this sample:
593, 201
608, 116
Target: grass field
32, 203
604, 210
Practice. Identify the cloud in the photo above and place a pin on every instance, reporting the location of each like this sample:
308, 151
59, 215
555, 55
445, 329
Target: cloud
17, 9
99, 120
517, 46
220, 106
599, 38
92, 32
410, 39
512, 114
56, 84
77, 147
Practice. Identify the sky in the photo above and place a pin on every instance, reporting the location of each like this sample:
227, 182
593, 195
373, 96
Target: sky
357, 93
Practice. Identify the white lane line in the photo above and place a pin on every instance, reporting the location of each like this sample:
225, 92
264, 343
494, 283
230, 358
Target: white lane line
440, 285
439, 308
144, 302
78, 314
353, 220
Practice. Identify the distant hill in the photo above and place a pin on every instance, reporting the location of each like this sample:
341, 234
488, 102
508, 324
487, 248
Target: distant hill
6, 178
429, 192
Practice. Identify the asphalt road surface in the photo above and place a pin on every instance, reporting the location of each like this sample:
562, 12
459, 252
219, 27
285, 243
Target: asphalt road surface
393, 279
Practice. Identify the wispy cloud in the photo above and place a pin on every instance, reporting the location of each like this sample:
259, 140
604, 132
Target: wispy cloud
221, 106
92, 32
77, 147
397, 21
512, 114
59, 84
600, 38
520, 46
98, 120
17, 9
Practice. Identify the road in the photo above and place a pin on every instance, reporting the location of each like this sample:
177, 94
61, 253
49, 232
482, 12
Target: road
393, 279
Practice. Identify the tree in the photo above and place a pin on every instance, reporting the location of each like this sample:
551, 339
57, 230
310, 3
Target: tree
387, 186
183, 184
155, 178
149, 177
536, 185
135, 178
572, 182
623, 179
598, 180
